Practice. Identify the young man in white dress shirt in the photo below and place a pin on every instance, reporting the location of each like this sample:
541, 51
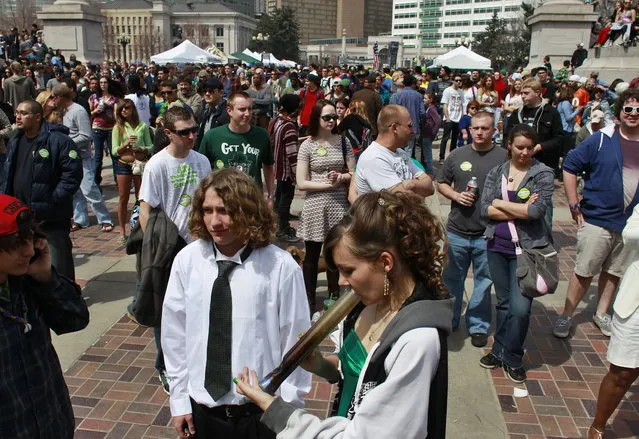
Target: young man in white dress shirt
264, 311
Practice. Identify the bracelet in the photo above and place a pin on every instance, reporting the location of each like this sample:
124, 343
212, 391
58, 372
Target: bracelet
574, 207
270, 197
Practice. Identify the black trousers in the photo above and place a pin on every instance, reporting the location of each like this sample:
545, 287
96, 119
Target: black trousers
451, 130
310, 269
284, 194
212, 423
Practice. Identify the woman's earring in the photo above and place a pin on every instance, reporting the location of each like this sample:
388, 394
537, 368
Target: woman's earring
386, 284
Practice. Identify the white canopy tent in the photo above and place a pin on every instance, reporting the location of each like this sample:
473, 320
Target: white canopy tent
462, 58
186, 52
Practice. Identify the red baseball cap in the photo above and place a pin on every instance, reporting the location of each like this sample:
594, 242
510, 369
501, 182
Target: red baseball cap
10, 208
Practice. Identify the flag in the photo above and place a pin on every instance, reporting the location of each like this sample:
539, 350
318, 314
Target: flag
375, 56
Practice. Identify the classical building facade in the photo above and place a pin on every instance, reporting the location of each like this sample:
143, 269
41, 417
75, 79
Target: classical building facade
154, 28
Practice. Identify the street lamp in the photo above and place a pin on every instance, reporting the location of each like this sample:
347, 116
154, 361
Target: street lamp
124, 40
261, 40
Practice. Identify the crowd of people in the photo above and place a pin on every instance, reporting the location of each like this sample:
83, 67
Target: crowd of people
213, 156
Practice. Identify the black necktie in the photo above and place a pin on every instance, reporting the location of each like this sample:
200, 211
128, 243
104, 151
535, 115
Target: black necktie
218, 374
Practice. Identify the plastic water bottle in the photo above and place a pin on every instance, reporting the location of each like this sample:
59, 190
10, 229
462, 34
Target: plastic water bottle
472, 186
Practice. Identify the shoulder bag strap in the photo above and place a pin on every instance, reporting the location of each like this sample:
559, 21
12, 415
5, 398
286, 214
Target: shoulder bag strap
511, 223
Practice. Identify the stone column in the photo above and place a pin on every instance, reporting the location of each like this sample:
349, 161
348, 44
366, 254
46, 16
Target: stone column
557, 27
74, 27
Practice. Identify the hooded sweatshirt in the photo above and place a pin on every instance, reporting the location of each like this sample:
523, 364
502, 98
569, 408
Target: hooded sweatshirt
412, 349
18, 89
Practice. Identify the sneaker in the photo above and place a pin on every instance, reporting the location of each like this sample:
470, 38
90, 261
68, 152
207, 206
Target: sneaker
516, 374
164, 381
562, 327
441, 161
289, 235
603, 323
489, 361
478, 339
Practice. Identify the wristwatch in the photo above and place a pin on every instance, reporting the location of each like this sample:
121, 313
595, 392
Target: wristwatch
574, 207
270, 197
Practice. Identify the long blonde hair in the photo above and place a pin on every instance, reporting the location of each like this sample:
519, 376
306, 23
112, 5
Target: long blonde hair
359, 108
56, 115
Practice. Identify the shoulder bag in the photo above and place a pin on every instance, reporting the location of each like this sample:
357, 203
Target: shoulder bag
537, 268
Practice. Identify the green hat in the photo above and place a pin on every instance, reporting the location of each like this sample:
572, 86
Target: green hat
346, 82
503, 71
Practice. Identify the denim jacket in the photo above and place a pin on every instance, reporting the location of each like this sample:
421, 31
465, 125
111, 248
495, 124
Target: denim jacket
540, 180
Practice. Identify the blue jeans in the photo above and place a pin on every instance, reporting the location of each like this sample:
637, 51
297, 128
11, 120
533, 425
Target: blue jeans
90, 191
513, 310
427, 154
461, 252
100, 138
61, 247
159, 359
410, 147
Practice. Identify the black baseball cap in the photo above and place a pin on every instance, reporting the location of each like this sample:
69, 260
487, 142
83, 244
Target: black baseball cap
212, 83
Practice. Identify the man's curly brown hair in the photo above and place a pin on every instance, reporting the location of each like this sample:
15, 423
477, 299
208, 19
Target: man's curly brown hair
383, 221
252, 220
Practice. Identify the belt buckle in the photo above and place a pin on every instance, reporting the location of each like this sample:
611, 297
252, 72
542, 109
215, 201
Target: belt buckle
227, 411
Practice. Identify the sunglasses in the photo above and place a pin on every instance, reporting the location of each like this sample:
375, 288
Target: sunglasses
127, 107
186, 131
472, 108
457, 80
328, 117
629, 109
166, 92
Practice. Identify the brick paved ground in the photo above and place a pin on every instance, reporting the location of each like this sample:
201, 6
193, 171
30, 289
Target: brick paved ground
116, 393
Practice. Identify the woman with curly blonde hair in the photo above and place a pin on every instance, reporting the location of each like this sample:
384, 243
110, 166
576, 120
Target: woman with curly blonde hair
388, 250
52, 113
233, 299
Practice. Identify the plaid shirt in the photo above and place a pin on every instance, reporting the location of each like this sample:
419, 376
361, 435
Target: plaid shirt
35, 401
284, 137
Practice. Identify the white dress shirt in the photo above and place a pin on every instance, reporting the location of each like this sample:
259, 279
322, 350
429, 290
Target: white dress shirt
270, 309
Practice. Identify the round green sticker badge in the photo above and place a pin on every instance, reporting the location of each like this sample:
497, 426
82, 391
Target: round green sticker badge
523, 193
219, 164
321, 151
43, 153
73, 154
466, 166
185, 200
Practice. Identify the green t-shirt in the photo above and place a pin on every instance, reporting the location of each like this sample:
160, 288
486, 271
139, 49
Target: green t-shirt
246, 152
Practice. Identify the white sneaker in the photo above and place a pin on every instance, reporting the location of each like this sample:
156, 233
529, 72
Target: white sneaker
603, 323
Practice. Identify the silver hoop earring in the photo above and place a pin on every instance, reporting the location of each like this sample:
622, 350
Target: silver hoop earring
386, 284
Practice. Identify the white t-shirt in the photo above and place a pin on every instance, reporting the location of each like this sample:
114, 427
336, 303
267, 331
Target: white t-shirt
379, 168
142, 104
455, 100
469, 95
516, 100
170, 183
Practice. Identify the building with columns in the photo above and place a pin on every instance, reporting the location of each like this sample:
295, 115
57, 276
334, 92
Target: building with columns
154, 27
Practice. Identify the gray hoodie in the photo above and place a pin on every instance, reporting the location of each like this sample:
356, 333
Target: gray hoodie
18, 89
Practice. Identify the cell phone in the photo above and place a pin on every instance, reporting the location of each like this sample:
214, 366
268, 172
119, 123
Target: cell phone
37, 254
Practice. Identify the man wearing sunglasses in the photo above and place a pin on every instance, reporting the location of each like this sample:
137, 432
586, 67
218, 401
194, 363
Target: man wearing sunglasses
611, 159
453, 110
214, 113
168, 184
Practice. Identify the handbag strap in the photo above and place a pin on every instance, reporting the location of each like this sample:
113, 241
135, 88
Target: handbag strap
511, 223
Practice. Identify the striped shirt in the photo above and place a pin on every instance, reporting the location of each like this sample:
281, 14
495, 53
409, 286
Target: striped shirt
284, 137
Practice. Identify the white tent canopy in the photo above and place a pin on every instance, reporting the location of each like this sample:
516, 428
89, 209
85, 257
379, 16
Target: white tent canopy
186, 52
462, 58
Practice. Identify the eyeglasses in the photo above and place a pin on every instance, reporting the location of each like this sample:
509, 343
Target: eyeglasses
472, 108
457, 80
629, 109
166, 92
328, 117
409, 124
22, 113
186, 131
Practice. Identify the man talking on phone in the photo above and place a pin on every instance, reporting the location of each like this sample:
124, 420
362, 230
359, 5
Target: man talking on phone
34, 299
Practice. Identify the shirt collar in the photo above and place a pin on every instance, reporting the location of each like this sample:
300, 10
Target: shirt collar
237, 257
